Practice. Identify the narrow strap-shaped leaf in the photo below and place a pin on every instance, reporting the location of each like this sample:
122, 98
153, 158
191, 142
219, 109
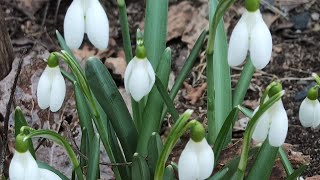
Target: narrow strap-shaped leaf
125, 29
64, 45
263, 164
285, 161
84, 148
93, 161
295, 175
243, 83
140, 169
222, 79
222, 136
219, 175
154, 106
169, 173
19, 121
110, 99
155, 147
166, 98
247, 112
155, 33
50, 168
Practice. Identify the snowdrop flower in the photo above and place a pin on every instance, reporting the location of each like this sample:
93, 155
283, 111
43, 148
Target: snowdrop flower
139, 76
309, 112
51, 88
23, 166
197, 159
273, 123
251, 33
86, 16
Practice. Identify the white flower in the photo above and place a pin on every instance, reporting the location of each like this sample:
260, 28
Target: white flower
309, 113
23, 167
139, 78
86, 16
48, 175
251, 33
196, 161
51, 89
274, 122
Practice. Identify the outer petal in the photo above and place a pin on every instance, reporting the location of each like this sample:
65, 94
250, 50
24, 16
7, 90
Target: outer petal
58, 90
260, 45
205, 159
279, 127
308, 112
188, 163
97, 25
239, 44
23, 167
128, 72
44, 88
316, 121
74, 25
261, 130
151, 74
48, 175
139, 80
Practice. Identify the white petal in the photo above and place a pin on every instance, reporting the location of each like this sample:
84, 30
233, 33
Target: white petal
128, 72
188, 163
74, 25
260, 45
261, 130
97, 25
316, 121
308, 112
48, 175
239, 44
205, 159
151, 74
139, 80
44, 88
58, 90
23, 167
279, 127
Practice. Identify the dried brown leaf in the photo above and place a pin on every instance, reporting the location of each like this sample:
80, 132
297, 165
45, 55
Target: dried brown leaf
194, 94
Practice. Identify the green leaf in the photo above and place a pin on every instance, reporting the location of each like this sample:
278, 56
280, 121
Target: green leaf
219, 175
247, 112
108, 96
19, 121
155, 147
125, 29
263, 164
169, 173
64, 45
84, 148
43, 165
297, 173
155, 34
222, 136
166, 98
93, 161
219, 79
140, 169
243, 83
285, 161
154, 106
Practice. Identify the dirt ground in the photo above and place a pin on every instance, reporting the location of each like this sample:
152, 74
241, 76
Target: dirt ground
295, 28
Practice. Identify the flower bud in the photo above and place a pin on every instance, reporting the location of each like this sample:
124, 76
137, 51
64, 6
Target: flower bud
309, 112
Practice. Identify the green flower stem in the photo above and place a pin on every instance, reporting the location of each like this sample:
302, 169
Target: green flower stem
125, 30
250, 129
213, 126
176, 132
266, 92
316, 77
57, 138
285, 161
243, 83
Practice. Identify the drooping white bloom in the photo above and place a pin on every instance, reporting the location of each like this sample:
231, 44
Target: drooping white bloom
251, 33
48, 175
139, 78
309, 113
23, 167
196, 161
51, 89
274, 122
86, 16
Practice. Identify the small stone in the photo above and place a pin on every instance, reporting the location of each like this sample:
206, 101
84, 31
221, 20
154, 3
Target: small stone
315, 16
301, 20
